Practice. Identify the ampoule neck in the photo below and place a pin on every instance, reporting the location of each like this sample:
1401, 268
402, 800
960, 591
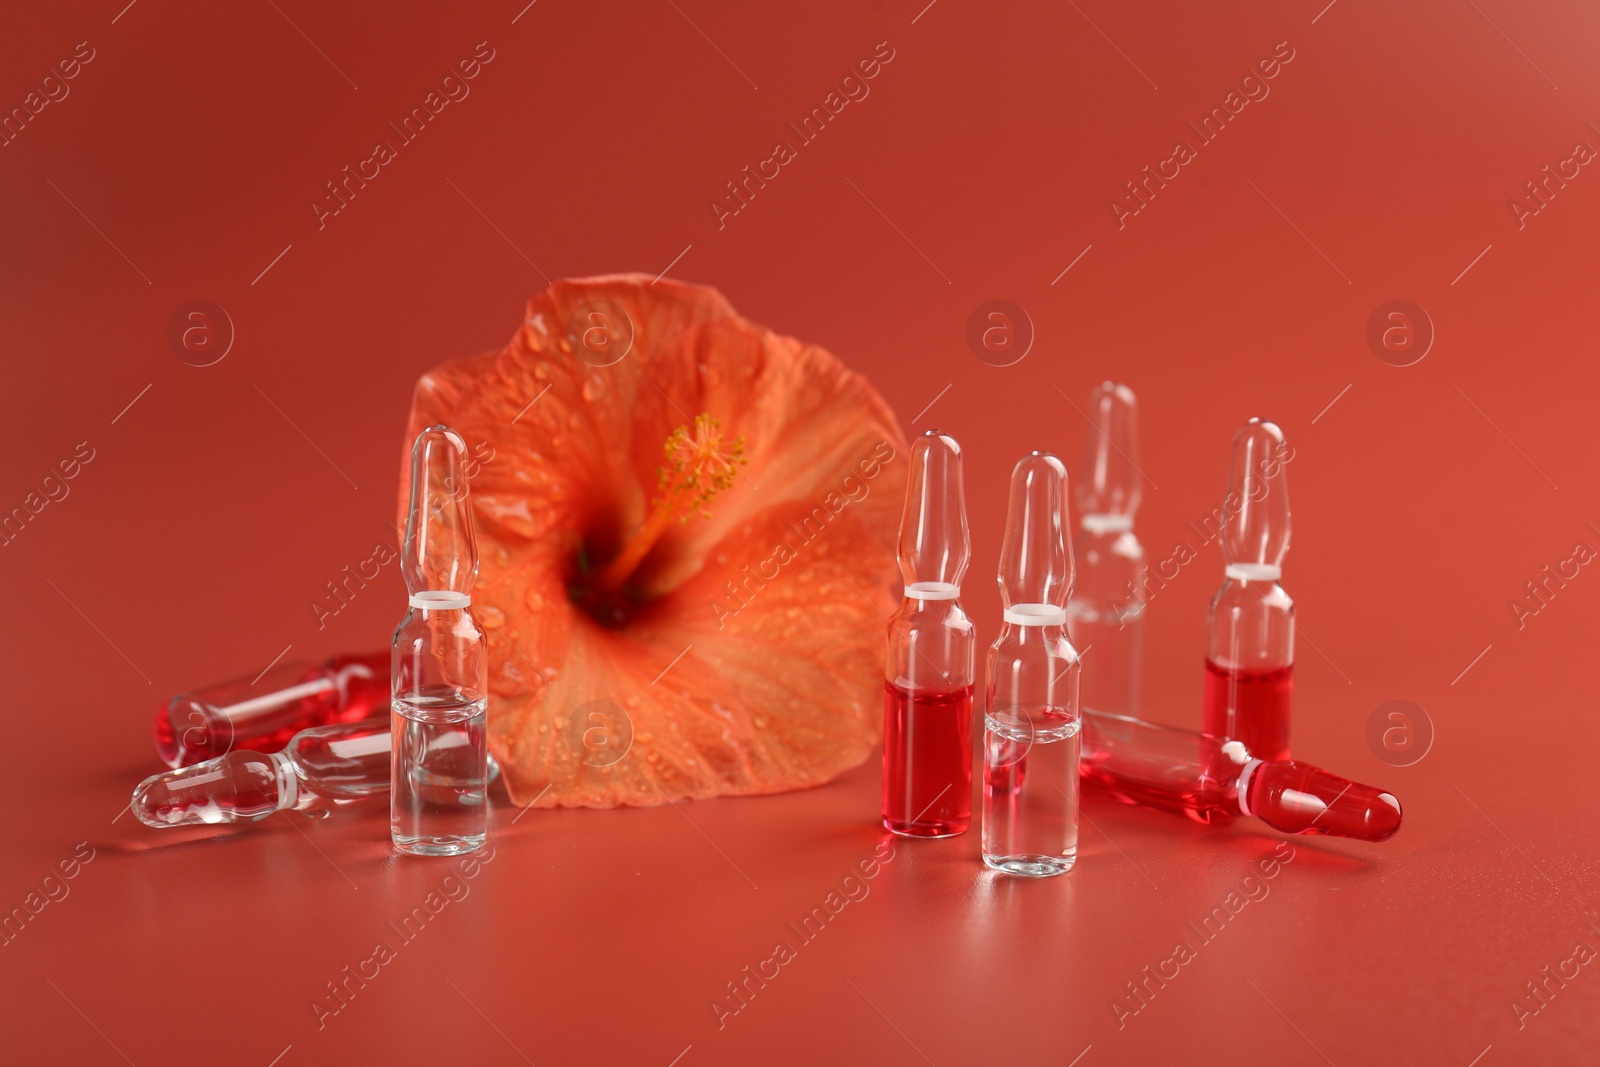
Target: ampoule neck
932, 592
289, 781
439, 600
1041, 626
1041, 617
1261, 573
1105, 524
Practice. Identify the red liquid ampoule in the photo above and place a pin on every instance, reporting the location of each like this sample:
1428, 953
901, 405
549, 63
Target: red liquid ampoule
1249, 679
927, 704
262, 714
1215, 780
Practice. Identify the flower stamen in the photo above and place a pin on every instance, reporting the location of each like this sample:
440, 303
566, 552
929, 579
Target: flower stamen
698, 468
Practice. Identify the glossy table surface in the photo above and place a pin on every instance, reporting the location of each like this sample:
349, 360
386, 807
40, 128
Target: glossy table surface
1431, 503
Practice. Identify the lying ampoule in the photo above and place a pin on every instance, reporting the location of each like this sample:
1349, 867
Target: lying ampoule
927, 701
439, 681
341, 761
1250, 623
1031, 719
338, 762
1106, 612
262, 713
1214, 779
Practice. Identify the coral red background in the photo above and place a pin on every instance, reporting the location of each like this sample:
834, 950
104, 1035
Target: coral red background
180, 166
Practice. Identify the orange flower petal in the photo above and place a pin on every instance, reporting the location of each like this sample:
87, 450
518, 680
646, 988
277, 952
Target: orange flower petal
768, 684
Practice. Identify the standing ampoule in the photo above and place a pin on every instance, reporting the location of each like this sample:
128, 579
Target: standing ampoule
1250, 622
927, 691
440, 771
1106, 612
1031, 711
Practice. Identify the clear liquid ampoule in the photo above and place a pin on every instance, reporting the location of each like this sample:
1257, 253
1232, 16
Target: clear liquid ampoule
1106, 613
440, 771
1031, 716
341, 761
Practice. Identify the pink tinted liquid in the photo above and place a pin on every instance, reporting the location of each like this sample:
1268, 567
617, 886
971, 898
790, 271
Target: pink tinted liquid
205, 724
927, 761
1250, 706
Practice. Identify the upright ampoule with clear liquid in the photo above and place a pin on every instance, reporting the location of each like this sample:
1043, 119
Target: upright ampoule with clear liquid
1249, 677
928, 665
440, 757
1032, 719
1105, 615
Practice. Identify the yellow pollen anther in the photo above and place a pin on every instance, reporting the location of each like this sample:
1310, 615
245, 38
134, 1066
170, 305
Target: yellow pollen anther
698, 468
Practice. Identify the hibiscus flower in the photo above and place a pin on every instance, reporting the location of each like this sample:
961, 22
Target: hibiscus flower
686, 527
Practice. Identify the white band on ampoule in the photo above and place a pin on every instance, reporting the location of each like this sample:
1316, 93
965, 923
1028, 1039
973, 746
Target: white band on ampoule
932, 591
1102, 522
288, 781
440, 600
1036, 615
1254, 572
1244, 785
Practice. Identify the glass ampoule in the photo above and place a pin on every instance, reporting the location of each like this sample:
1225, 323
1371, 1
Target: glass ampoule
341, 761
1249, 678
262, 713
1105, 616
438, 805
1215, 780
928, 666
319, 766
1031, 713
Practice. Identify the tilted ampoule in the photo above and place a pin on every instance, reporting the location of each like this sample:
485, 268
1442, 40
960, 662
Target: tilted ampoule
1215, 779
342, 761
263, 712
319, 766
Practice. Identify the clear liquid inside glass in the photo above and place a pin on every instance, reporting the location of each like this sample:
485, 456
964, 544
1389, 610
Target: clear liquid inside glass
1030, 790
439, 804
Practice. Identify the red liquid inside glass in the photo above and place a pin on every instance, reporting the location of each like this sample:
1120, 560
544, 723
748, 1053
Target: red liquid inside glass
1205, 801
262, 715
1250, 706
927, 761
